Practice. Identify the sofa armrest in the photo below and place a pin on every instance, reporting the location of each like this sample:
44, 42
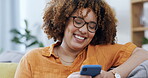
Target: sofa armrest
7, 70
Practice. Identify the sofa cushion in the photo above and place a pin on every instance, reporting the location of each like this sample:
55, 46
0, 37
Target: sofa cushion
10, 56
7, 70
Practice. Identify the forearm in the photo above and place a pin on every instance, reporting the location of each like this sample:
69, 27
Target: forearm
137, 57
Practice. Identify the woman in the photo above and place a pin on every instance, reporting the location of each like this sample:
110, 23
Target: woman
84, 31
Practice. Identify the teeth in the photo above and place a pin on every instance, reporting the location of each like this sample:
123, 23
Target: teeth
82, 38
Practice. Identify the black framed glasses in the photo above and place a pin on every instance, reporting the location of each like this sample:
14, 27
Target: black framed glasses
79, 22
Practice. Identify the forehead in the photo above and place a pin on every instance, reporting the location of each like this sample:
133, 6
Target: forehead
85, 13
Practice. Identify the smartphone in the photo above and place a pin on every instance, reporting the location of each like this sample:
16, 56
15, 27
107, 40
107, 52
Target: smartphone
90, 70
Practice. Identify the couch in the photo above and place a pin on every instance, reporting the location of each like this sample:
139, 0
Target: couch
7, 70
8, 63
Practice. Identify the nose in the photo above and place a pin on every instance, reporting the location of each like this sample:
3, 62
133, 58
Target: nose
83, 29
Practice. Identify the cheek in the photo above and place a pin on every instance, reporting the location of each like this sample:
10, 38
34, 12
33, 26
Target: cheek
71, 28
91, 35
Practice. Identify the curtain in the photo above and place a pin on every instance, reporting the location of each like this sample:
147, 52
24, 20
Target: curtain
9, 19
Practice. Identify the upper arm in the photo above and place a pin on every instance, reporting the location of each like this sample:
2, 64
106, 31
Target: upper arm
23, 69
142, 53
139, 50
124, 53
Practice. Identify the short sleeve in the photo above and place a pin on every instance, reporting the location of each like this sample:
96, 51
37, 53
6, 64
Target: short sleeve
23, 69
123, 53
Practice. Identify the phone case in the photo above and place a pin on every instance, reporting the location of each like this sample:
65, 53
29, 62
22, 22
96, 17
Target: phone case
91, 70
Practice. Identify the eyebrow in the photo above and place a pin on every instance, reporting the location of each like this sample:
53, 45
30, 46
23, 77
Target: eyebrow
85, 20
93, 22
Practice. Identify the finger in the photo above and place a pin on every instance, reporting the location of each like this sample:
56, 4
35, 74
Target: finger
77, 75
102, 71
74, 75
84, 76
98, 76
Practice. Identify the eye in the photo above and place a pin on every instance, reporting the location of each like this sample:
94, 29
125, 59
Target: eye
92, 25
79, 21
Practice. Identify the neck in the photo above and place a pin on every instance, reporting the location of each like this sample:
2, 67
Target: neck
67, 51
66, 54
63, 51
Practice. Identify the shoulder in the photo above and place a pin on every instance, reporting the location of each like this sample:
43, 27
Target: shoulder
115, 47
37, 51
35, 54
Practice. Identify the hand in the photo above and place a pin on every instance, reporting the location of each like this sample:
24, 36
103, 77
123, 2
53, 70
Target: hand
105, 74
77, 75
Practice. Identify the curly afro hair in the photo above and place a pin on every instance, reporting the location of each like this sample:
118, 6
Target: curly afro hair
57, 13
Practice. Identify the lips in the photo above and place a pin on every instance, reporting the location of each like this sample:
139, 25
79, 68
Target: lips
79, 38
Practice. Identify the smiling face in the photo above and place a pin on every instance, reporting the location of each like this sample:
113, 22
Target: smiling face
78, 38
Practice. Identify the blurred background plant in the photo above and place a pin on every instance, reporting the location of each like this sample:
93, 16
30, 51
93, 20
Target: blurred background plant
1, 50
27, 39
145, 41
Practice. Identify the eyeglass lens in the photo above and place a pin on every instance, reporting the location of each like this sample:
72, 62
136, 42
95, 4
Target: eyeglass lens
80, 22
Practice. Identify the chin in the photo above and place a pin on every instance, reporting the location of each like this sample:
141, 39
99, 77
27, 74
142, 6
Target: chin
78, 47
